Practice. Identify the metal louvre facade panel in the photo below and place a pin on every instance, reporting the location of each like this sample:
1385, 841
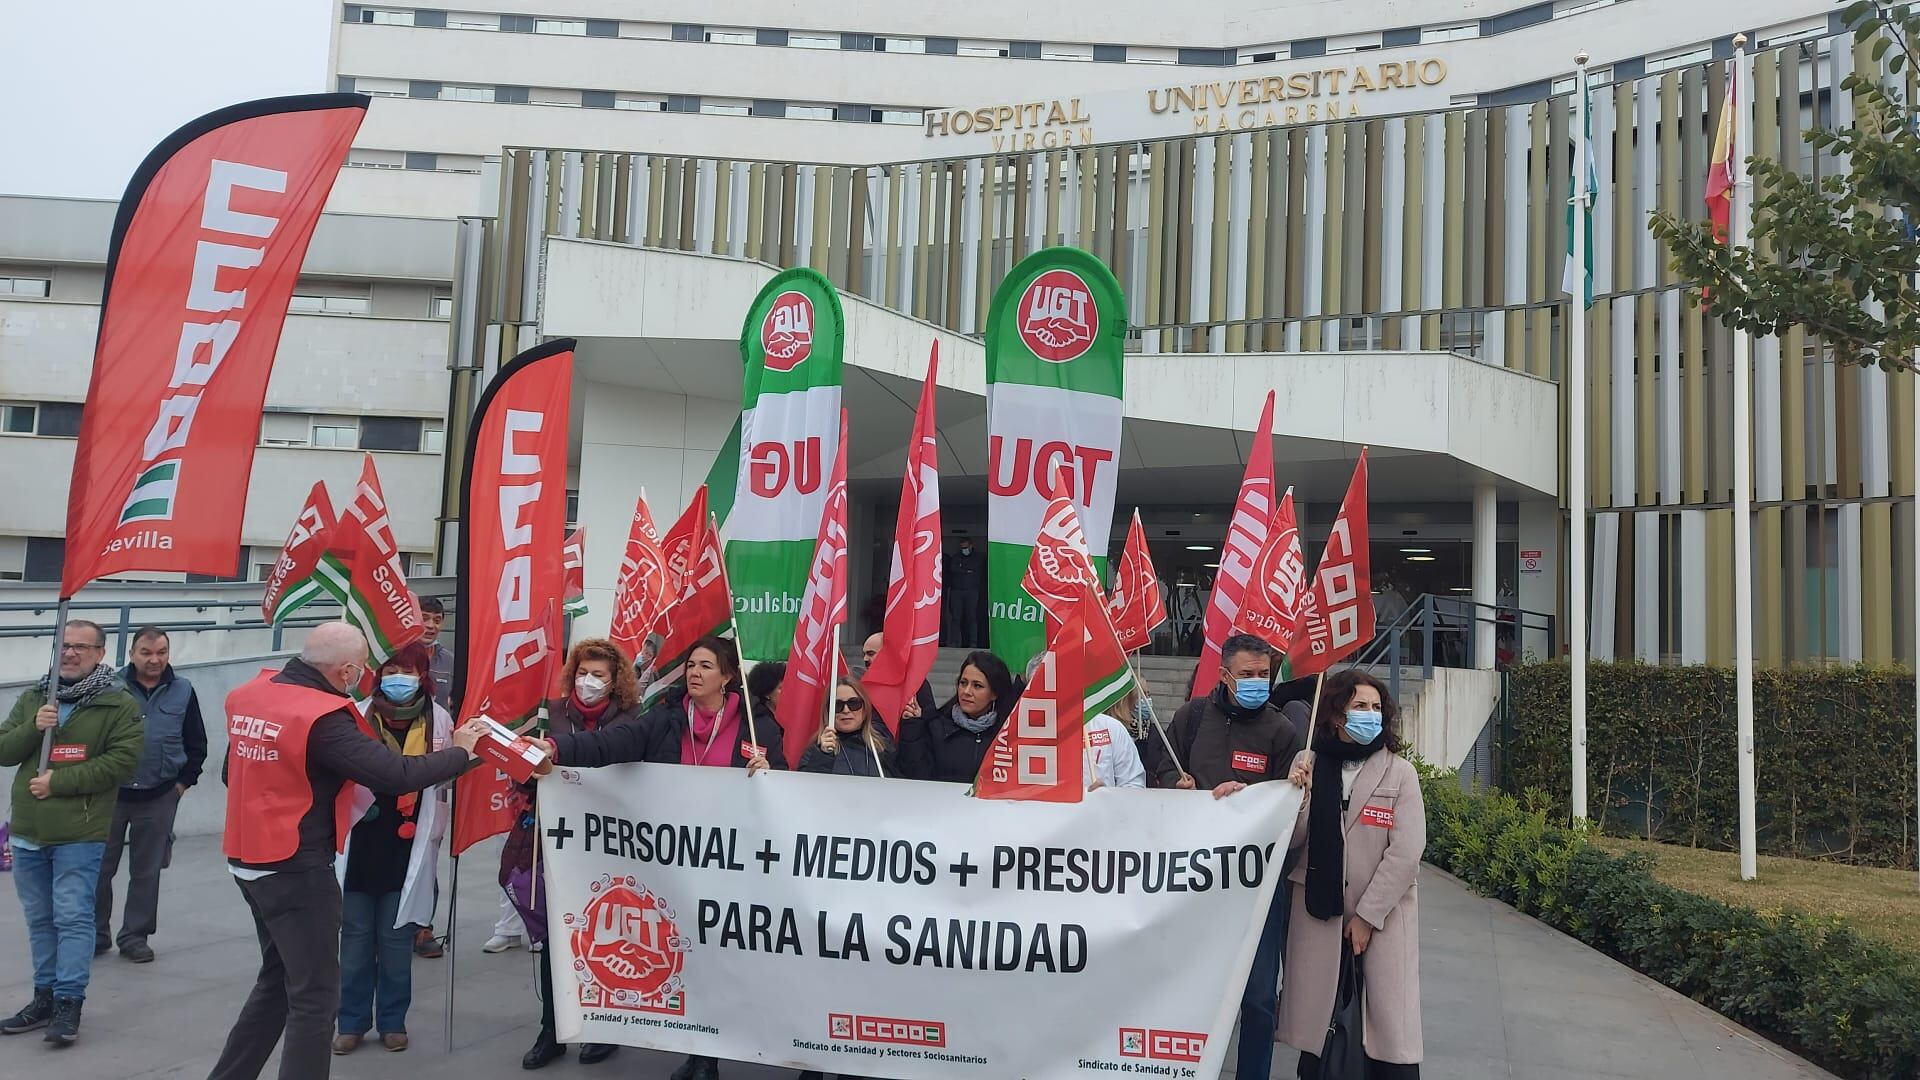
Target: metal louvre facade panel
1426, 231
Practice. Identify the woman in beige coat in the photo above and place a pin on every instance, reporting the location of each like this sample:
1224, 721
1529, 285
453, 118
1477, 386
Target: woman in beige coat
1363, 826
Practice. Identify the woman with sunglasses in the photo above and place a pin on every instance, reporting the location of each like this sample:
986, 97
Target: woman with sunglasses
857, 743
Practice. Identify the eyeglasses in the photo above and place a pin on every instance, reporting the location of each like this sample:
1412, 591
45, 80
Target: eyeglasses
847, 704
79, 647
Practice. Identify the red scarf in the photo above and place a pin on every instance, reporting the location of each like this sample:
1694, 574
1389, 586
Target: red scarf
591, 715
709, 737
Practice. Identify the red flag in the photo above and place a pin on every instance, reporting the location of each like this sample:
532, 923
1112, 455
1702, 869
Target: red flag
514, 506
1272, 609
361, 568
573, 561
1246, 533
1061, 577
1136, 606
1723, 166
205, 252
485, 802
293, 582
703, 604
1039, 752
910, 634
815, 660
1336, 611
642, 588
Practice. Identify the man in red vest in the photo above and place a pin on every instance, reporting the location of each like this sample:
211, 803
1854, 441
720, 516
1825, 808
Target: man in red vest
295, 748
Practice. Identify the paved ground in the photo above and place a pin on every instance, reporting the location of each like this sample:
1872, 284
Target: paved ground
1504, 997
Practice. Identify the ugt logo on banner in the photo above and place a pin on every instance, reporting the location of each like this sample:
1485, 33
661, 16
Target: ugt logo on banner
1057, 318
628, 948
787, 332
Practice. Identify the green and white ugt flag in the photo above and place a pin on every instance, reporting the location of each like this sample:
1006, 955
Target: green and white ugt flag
1055, 341
789, 432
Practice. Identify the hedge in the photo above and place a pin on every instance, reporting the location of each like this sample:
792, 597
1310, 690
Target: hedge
1833, 753
1849, 1004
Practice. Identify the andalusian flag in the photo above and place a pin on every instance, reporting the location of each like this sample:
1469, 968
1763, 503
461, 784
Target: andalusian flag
361, 568
295, 579
789, 432
1055, 341
573, 558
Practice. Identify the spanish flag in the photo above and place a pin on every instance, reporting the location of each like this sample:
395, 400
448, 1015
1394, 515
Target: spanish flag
1724, 166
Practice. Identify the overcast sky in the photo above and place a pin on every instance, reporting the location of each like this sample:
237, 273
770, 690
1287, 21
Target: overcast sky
92, 85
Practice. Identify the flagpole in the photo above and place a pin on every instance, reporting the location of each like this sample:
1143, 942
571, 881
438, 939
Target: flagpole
1577, 450
53, 677
1742, 493
453, 909
1153, 716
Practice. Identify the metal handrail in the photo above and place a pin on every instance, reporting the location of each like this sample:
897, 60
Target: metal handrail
122, 623
1431, 617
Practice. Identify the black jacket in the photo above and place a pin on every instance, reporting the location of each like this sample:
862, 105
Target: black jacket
338, 752
852, 759
656, 737
933, 747
1209, 732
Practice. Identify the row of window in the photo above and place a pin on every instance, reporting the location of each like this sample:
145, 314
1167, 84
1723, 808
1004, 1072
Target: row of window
605, 99
438, 307
19, 285
41, 558
402, 434
1545, 11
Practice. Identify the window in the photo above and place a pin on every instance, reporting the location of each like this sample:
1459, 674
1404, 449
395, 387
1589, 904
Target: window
1431, 34
433, 437
573, 509
982, 48
466, 93
430, 17
776, 38
517, 24
510, 95
44, 557
420, 566
263, 570
902, 116
943, 46
21, 285
568, 27
379, 87
724, 108
806, 39
440, 308
1022, 50
856, 42
683, 103
60, 419
335, 433
769, 108
688, 32
420, 162
17, 419
309, 304
899, 44
1209, 57
636, 103
390, 433
858, 114
382, 17
732, 37
285, 429
467, 20
418, 89
603, 28
1110, 54
808, 112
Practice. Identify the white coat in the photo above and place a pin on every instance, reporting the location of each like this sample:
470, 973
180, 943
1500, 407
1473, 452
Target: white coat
417, 895
1111, 756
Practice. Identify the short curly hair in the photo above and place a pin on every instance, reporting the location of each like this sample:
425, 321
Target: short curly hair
625, 692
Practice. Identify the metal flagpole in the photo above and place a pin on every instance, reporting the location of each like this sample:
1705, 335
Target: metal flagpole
53, 677
1577, 449
1742, 470
1153, 717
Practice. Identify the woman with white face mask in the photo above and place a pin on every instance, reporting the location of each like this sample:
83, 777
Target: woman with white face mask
602, 693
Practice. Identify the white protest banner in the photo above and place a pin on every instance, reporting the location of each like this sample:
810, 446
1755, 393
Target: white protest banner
893, 928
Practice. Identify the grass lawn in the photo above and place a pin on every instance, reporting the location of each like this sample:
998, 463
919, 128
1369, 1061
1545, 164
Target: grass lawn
1883, 904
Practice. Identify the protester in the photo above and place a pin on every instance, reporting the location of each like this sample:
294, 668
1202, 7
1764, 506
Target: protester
602, 694
763, 686
643, 664
61, 814
703, 724
949, 743
1111, 758
176, 750
296, 748
1229, 739
921, 703
1363, 827
965, 581
388, 872
857, 743
433, 615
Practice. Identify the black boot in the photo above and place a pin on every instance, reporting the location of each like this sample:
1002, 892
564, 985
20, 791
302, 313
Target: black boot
64, 1027
595, 1053
31, 1018
545, 1051
698, 1068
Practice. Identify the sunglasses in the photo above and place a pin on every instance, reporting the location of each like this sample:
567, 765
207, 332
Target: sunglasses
847, 704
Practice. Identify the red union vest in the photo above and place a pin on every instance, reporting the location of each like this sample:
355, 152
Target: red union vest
267, 788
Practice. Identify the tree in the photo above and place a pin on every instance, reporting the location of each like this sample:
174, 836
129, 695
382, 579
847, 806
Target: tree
1837, 257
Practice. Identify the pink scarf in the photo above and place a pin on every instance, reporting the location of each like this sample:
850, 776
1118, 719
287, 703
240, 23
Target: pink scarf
709, 737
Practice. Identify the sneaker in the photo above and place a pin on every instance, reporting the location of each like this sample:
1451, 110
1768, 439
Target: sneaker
500, 943
31, 1018
64, 1027
426, 945
138, 952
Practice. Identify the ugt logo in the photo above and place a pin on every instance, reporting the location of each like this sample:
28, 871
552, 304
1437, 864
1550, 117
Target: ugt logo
786, 334
627, 950
1057, 318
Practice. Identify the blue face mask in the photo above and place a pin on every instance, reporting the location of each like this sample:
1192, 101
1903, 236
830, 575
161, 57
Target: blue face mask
1142, 712
399, 688
1251, 693
1363, 725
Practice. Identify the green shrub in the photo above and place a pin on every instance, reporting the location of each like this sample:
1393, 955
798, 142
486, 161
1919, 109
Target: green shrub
1849, 1004
1833, 753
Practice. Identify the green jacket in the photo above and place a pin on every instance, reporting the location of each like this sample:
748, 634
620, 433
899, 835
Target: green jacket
85, 791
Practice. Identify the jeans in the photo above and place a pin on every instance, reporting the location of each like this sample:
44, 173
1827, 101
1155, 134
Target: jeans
1257, 1019
376, 963
56, 884
144, 830
296, 915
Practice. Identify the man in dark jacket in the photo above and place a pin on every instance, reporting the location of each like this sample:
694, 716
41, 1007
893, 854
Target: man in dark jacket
61, 809
296, 745
965, 580
1229, 739
176, 749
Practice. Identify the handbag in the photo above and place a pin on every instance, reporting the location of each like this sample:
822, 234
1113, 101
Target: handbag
1344, 1056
